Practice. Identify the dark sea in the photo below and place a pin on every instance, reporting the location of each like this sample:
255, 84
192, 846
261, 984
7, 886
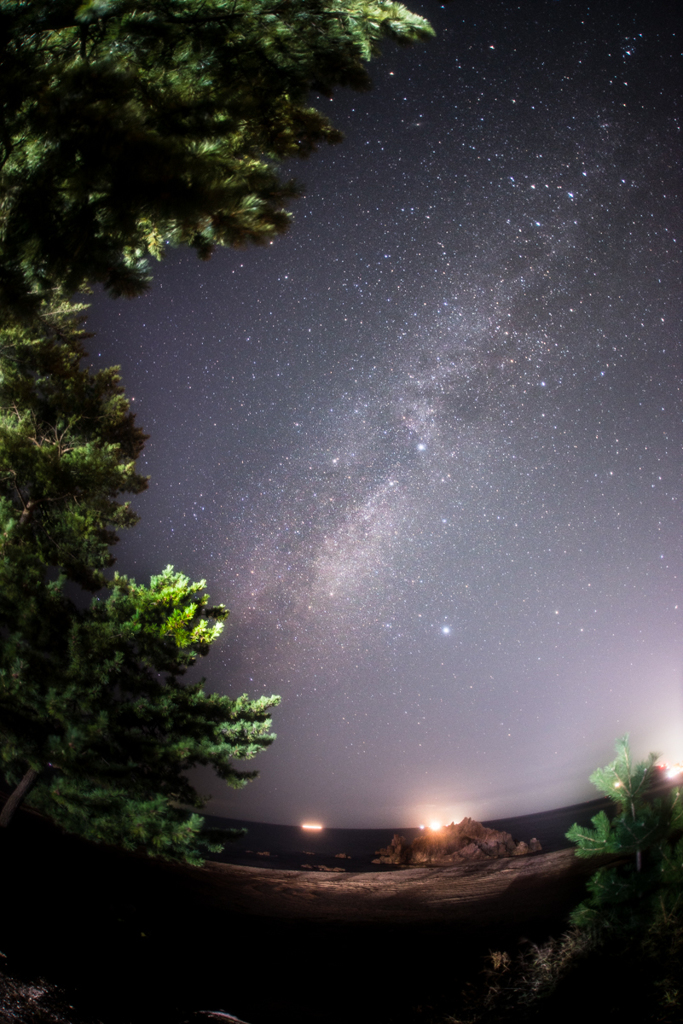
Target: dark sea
292, 847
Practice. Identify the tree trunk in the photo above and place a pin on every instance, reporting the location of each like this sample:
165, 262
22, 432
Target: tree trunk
639, 860
15, 799
26, 515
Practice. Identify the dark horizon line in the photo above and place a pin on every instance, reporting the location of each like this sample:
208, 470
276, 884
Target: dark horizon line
597, 802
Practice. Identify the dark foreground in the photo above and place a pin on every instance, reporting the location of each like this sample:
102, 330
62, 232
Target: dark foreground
136, 941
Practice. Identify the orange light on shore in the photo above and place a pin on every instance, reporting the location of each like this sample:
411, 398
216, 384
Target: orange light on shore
315, 828
435, 825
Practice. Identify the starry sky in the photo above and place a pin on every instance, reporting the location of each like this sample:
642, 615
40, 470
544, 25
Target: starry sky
427, 446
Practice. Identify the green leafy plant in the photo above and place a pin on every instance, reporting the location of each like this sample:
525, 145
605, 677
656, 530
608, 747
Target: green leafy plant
645, 833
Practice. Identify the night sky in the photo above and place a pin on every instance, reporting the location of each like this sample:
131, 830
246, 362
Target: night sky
427, 446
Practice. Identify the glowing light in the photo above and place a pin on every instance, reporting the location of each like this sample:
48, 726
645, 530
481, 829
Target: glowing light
445, 630
435, 825
315, 828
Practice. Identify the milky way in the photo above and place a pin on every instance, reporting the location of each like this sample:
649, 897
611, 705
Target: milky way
427, 447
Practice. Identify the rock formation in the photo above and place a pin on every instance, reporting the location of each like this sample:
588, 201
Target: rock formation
454, 844
320, 867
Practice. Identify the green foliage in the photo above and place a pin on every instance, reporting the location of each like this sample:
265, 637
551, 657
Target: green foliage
624, 834
630, 929
68, 445
622, 781
639, 890
92, 699
130, 124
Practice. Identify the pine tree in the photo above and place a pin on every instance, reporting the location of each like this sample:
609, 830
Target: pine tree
68, 445
646, 888
128, 125
97, 727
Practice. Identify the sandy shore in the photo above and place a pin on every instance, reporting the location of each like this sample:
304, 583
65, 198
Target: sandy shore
502, 892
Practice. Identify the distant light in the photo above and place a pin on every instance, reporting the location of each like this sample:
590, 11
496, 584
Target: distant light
446, 630
420, 826
421, 447
315, 828
435, 825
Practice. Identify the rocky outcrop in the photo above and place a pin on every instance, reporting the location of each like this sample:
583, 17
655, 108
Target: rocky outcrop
463, 843
320, 867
